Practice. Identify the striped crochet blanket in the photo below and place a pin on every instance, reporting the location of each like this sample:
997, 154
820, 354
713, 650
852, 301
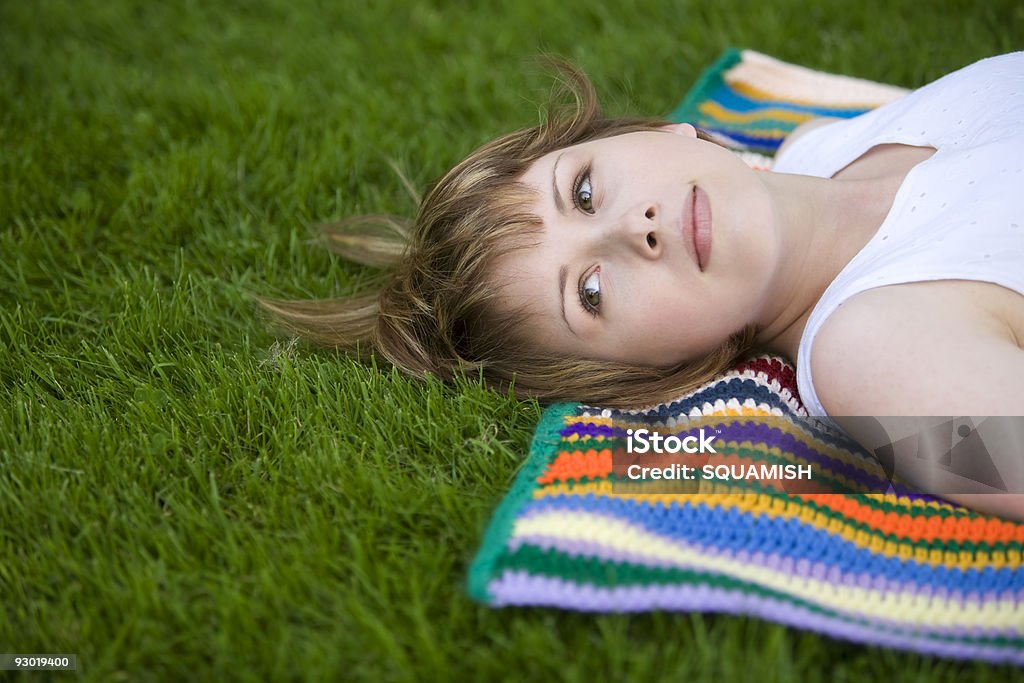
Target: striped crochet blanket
846, 558
751, 102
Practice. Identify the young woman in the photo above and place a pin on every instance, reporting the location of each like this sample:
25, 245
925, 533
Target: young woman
621, 262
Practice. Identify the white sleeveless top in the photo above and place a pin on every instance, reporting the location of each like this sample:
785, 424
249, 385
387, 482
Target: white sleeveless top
957, 215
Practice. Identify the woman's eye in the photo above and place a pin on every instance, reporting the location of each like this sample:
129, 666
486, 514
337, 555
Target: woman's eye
582, 193
590, 292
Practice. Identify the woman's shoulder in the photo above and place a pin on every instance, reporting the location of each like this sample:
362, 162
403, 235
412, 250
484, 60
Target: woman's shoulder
982, 97
1010, 61
997, 69
803, 129
923, 348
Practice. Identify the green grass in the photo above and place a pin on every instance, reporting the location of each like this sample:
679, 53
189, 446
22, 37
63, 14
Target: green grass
183, 497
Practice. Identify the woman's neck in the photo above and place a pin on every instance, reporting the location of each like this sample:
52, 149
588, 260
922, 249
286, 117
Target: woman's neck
822, 224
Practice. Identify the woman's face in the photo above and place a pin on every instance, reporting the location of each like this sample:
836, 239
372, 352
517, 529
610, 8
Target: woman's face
655, 247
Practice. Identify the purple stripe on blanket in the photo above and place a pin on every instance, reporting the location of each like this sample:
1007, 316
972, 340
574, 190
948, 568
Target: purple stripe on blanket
520, 588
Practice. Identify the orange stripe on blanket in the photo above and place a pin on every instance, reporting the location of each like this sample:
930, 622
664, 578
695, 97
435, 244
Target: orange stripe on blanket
577, 464
920, 528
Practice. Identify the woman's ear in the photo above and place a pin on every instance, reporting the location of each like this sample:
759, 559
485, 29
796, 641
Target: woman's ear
682, 129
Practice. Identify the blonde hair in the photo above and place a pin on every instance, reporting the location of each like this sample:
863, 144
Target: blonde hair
436, 309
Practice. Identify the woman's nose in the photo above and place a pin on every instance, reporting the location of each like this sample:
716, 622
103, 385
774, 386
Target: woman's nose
644, 232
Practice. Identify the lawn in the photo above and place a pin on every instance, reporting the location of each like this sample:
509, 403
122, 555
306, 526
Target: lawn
185, 495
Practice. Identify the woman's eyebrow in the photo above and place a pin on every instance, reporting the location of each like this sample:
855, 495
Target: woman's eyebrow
559, 204
563, 275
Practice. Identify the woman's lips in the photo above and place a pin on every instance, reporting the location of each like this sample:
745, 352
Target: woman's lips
686, 226
700, 216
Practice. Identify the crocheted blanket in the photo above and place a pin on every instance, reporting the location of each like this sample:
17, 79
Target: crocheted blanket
847, 557
751, 102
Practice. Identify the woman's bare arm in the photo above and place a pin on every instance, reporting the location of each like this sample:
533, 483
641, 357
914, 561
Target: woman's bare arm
928, 363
